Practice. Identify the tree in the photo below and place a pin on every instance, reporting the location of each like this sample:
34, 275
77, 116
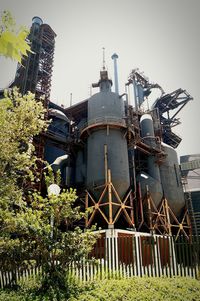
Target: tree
21, 118
13, 42
58, 243
34, 228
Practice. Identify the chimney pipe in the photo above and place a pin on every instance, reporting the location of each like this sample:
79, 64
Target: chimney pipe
115, 57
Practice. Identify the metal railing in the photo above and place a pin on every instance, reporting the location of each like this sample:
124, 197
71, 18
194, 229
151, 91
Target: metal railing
103, 120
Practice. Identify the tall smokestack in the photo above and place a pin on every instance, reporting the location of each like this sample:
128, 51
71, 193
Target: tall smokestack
115, 57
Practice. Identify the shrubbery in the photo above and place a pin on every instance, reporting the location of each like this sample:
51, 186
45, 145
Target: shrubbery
135, 289
140, 289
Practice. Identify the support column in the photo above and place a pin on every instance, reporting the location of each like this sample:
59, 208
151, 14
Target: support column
110, 197
167, 216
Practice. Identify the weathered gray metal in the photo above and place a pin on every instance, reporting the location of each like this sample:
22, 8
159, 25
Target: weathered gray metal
107, 110
148, 136
80, 172
171, 180
150, 181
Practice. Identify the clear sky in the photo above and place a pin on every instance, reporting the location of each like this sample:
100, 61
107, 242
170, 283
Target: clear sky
161, 38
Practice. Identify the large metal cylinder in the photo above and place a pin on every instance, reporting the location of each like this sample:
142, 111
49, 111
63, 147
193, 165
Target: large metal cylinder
150, 180
148, 135
147, 129
106, 109
171, 180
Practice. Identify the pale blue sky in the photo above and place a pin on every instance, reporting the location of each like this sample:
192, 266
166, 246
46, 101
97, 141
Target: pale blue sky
160, 37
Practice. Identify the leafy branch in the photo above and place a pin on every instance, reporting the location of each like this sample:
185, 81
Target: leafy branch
13, 42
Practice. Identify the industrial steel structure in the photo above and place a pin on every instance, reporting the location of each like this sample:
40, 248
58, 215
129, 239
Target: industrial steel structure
190, 169
35, 72
120, 157
131, 177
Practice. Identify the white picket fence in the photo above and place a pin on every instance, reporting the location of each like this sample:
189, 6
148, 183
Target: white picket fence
125, 257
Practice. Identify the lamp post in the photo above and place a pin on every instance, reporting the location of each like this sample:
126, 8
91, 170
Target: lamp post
53, 189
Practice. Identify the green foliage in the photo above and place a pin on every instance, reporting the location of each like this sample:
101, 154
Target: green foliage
12, 41
57, 239
134, 289
140, 289
44, 235
34, 229
21, 118
51, 177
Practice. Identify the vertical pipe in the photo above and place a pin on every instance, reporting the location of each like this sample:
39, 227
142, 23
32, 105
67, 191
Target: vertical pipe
115, 57
86, 207
127, 96
70, 99
135, 95
106, 162
110, 197
131, 203
150, 214
140, 205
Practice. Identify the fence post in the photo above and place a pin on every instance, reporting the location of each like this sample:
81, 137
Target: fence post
157, 256
173, 269
138, 255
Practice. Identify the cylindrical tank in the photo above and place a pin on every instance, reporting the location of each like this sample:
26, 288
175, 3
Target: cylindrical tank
104, 108
152, 185
171, 180
147, 129
148, 135
152, 177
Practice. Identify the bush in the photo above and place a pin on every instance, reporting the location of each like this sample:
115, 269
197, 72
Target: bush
140, 289
134, 289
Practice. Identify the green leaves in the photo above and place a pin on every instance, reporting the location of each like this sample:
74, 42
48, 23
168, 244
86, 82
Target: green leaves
13, 43
140, 289
21, 118
7, 21
31, 225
